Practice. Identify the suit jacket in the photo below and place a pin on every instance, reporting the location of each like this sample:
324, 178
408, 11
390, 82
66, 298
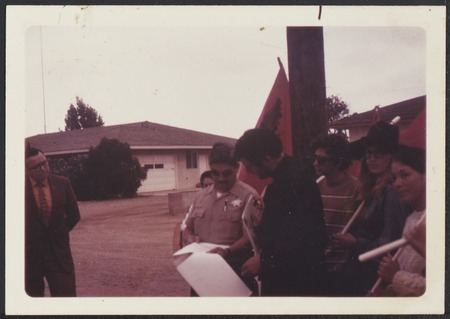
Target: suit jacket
65, 215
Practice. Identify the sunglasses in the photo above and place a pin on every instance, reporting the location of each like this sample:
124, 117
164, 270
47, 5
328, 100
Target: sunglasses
225, 173
320, 159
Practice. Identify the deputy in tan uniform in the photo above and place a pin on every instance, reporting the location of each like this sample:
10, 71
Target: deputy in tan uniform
216, 214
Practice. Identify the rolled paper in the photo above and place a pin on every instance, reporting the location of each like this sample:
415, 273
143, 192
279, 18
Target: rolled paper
320, 179
386, 248
382, 250
354, 216
395, 120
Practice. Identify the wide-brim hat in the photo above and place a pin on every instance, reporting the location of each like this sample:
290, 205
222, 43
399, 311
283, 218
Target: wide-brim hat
382, 135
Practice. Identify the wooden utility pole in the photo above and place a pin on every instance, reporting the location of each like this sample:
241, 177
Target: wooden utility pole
307, 87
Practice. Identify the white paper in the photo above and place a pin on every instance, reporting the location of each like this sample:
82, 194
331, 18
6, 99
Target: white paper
208, 273
198, 248
211, 276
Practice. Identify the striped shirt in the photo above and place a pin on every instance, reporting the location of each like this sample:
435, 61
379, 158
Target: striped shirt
338, 205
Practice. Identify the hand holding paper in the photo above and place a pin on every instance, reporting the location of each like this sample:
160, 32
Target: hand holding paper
209, 274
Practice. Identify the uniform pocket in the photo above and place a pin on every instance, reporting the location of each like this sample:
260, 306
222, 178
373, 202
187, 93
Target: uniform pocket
234, 215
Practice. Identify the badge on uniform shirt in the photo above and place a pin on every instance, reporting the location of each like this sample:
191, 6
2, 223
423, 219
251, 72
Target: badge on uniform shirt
236, 203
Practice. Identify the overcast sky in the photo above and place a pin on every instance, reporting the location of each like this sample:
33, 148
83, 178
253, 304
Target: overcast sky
212, 79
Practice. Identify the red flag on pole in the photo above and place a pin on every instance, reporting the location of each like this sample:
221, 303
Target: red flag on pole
275, 116
414, 134
376, 114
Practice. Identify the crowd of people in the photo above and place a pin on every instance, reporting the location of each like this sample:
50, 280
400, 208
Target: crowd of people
309, 233
304, 236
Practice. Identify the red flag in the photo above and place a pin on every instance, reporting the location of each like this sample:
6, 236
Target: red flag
376, 114
275, 116
414, 134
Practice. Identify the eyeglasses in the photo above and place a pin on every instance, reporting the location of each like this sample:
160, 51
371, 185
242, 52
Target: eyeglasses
374, 154
225, 173
38, 166
320, 159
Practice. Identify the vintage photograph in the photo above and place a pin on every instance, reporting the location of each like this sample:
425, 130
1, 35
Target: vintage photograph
201, 156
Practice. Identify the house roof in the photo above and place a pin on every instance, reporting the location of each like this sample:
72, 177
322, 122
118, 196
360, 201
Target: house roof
141, 135
407, 110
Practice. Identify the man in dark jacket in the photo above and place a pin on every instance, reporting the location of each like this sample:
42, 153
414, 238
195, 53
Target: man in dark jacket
51, 211
292, 233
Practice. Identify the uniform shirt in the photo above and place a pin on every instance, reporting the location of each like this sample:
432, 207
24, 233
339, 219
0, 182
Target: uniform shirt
218, 219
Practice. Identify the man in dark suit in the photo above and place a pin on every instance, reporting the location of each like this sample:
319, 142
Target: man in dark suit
51, 212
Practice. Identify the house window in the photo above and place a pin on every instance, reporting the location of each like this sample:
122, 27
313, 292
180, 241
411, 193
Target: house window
154, 166
191, 159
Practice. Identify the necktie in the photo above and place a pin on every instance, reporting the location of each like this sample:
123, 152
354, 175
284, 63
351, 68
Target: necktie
45, 209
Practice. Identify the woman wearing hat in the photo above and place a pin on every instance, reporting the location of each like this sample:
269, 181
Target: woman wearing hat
382, 219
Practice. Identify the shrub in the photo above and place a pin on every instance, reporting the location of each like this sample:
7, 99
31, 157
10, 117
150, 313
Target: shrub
110, 170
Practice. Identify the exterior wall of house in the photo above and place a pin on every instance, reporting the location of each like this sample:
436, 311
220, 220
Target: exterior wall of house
161, 169
189, 177
169, 170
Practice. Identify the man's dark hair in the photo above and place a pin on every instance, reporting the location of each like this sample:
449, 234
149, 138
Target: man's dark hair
337, 147
256, 144
222, 153
31, 151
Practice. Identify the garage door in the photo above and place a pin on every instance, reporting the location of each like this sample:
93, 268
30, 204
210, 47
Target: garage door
160, 173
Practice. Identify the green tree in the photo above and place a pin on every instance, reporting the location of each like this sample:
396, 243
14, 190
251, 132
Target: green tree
110, 170
82, 116
335, 108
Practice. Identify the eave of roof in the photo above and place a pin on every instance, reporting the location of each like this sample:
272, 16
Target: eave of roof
141, 135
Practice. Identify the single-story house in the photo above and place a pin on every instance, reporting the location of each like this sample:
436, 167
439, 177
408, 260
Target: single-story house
173, 157
357, 125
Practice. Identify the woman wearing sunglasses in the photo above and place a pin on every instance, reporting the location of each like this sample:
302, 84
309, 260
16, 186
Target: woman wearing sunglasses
383, 215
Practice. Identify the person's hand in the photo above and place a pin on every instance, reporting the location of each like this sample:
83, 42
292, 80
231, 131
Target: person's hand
220, 251
251, 267
416, 237
189, 239
343, 240
387, 268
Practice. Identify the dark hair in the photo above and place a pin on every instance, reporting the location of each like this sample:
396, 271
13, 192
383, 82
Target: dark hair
222, 153
205, 174
337, 147
31, 151
256, 144
413, 157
